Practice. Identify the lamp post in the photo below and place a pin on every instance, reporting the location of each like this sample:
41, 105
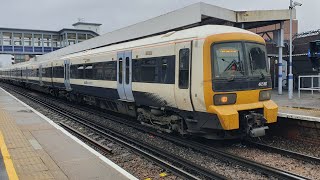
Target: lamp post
290, 76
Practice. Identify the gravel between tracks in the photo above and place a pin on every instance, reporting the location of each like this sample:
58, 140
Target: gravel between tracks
306, 169
293, 145
231, 171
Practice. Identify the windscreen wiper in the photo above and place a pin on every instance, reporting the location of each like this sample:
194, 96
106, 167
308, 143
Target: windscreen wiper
262, 75
231, 78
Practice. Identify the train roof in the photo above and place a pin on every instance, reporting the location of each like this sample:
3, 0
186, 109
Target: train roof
196, 32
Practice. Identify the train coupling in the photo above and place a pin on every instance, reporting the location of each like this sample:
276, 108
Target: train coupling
256, 124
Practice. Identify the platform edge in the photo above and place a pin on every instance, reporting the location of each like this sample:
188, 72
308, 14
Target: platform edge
100, 156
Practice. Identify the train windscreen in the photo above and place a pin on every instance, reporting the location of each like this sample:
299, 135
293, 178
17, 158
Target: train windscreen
239, 59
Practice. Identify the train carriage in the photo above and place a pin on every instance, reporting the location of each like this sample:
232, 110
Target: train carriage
210, 81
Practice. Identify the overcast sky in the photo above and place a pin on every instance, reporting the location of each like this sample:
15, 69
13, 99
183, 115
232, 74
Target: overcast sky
115, 14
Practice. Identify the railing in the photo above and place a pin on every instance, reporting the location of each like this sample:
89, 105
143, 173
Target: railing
312, 88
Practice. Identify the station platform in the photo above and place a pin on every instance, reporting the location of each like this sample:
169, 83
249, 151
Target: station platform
307, 107
33, 147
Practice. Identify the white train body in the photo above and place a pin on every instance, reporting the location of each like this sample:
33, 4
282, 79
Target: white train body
162, 79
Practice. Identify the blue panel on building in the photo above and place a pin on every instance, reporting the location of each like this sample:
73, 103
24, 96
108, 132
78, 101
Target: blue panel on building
56, 48
37, 49
28, 49
18, 49
0, 48
47, 49
7, 48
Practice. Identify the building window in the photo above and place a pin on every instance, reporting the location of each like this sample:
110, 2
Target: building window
184, 56
71, 38
47, 40
27, 39
38, 40
17, 40
89, 36
7, 38
55, 41
81, 37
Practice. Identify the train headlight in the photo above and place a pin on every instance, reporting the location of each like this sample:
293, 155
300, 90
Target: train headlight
224, 99
264, 95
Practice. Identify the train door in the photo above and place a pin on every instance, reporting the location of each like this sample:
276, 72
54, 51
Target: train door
40, 75
124, 76
67, 75
183, 72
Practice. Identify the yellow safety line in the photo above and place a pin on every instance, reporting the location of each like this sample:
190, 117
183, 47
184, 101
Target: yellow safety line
7, 160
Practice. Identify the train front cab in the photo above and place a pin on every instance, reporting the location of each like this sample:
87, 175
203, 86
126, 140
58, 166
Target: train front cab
240, 99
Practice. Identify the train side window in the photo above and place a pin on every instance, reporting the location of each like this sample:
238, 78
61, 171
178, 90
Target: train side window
58, 72
110, 71
80, 74
49, 72
120, 70
88, 71
36, 73
184, 56
55, 72
164, 70
61, 72
136, 71
98, 71
74, 71
149, 70
43, 72
127, 69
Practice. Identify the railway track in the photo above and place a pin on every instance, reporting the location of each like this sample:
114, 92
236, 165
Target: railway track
286, 152
210, 150
173, 163
264, 169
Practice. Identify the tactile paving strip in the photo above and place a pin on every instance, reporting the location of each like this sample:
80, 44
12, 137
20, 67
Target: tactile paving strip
26, 160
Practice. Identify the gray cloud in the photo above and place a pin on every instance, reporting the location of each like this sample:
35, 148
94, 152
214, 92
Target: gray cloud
114, 14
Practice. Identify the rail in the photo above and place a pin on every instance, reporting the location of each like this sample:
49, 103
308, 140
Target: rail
219, 154
312, 88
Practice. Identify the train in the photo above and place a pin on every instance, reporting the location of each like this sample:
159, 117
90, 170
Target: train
210, 81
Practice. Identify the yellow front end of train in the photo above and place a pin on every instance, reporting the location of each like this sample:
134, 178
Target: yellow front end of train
237, 84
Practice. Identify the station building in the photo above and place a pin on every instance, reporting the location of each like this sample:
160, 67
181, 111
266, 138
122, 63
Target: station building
25, 43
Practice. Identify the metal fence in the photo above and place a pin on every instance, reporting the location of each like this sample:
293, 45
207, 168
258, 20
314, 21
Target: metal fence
312, 85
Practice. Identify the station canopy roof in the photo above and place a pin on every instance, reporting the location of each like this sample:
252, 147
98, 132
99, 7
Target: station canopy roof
190, 16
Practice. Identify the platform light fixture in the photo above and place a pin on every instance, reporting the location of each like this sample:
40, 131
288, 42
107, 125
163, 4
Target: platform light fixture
293, 4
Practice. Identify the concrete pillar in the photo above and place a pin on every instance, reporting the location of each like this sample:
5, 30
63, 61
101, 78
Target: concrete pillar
32, 41
280, 45
1, 40
42, 43
22, 41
